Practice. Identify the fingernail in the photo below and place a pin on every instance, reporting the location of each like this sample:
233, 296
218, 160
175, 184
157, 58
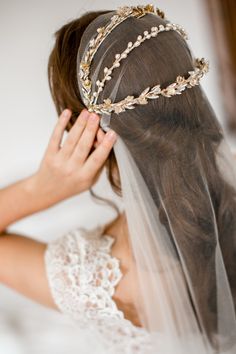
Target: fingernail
66, 116
84, 114
111, 135
66, 113
93, 117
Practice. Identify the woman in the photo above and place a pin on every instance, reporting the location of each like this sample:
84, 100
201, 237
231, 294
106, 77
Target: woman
161, 277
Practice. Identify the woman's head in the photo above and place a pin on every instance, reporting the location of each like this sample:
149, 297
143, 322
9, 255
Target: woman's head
173, 140
158, 60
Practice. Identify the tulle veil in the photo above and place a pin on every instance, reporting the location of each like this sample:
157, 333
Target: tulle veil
180, 311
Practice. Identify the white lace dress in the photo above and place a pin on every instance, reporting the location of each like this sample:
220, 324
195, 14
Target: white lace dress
82, 276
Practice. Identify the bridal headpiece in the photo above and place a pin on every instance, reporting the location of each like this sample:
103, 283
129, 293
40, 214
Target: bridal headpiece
176, 88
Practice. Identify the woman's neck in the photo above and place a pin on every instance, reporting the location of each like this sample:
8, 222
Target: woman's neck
118, 229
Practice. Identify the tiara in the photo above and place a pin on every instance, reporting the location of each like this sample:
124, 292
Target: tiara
201, 66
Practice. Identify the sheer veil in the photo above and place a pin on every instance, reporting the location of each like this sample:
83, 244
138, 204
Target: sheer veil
183, 235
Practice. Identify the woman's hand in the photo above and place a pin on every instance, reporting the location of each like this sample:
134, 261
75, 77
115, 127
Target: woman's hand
63, 172
71, 169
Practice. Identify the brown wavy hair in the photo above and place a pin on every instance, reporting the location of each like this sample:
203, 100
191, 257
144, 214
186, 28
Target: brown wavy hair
186, 134
63, 86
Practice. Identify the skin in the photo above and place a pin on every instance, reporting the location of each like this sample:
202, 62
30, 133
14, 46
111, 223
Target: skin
64, 171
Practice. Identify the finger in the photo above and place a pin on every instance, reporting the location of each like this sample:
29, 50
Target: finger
75, 133
86, 141
95, 145
96, 160
99, 137
56, 137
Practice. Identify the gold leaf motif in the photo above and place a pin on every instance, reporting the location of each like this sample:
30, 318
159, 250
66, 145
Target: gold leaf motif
149, 8
160, 13
193, 81
107, 101
145, 91
118, 109
140, 11
180, 80
181, 88
84, 66
101, 30
129, 98
168, 91
156, 88
142, 100
124, 11
171, 90
92, 42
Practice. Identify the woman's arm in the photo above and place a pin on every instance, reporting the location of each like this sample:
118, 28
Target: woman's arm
64, 172
22, 268
19, 200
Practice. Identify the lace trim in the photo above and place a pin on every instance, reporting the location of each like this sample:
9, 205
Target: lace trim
82, 276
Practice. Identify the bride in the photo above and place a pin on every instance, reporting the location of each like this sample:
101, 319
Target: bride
161, 277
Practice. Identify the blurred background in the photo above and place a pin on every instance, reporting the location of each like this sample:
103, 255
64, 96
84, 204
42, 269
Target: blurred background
28, 117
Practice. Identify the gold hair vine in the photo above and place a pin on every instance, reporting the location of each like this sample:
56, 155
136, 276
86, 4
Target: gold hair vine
176, 88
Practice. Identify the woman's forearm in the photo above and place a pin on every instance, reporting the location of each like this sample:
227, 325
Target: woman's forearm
19, 200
